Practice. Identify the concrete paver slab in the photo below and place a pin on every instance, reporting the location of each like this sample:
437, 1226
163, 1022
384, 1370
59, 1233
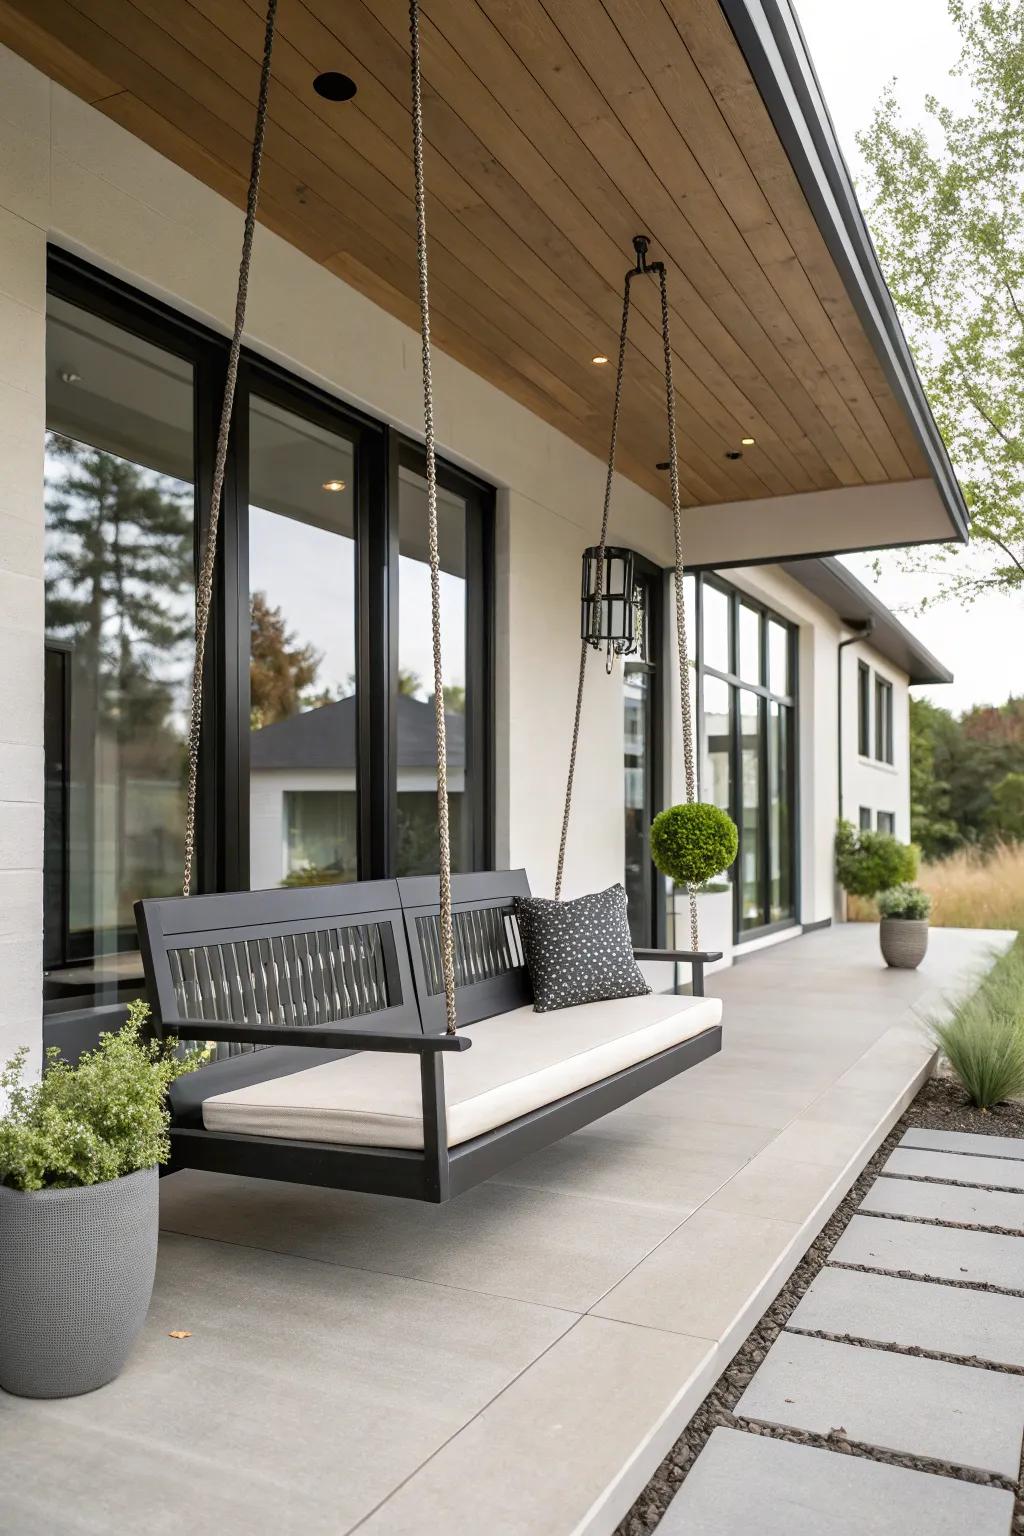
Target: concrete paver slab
945, 1319
957, 1413
964, 1141
937, 1253
947, 1202
957, 1168
742, 1482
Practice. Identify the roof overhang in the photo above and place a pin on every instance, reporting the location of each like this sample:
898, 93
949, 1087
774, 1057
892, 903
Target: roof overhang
857, 606
555, 132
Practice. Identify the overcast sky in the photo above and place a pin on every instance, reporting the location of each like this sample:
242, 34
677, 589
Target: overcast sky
856, 49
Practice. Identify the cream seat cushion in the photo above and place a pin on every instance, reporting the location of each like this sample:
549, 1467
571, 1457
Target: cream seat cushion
518, 1062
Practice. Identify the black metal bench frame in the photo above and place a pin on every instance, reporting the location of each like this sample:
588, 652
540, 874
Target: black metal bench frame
348, 956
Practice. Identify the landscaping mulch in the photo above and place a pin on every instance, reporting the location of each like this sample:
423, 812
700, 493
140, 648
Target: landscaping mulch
940, 1106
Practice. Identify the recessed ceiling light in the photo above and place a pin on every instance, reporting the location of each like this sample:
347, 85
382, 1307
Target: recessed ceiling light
664, 464
334, 485
333, 86
599, 359
734, 453
68, 376
748, 442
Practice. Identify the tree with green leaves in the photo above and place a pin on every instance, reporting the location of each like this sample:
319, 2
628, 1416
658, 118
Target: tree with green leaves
947, 215
118, 573
280, 667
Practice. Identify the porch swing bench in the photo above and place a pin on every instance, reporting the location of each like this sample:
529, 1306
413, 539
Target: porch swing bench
354, 1084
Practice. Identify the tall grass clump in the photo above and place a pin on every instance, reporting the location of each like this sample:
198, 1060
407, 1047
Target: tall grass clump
984, 1040
977, 889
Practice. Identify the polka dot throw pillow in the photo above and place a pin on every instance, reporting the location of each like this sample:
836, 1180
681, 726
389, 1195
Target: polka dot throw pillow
578, 951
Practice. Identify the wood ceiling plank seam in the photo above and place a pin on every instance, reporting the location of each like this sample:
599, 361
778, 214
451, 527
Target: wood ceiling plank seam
140, 119
779, 469
298, 159
642, 340
757, 322
83, 32
648, 31
550, 59
443, 225
743, 424
608, 292
482, 360
782, 266
25, 36
706, 34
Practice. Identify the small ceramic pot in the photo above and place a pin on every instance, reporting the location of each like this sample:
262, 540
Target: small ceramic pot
904, 941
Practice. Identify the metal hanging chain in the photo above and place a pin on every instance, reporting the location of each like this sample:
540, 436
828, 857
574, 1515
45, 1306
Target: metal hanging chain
204, 589
446, 936
682, 650
599, 585
643, 268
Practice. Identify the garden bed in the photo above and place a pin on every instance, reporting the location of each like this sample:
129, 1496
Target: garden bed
941, 1105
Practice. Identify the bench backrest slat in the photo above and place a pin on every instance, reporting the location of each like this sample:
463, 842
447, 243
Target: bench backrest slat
299, 957
490, 971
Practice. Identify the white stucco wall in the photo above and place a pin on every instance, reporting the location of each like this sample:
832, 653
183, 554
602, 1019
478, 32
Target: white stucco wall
867, 782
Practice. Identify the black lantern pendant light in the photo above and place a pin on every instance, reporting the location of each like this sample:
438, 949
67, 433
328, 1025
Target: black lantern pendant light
610, 602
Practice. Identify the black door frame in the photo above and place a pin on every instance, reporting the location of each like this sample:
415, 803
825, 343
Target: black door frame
223, 811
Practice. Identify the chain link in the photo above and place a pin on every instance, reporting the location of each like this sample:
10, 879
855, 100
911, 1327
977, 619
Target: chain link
204, 587
446, 935
682, 650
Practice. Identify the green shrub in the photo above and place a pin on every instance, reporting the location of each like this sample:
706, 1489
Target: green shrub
984, 1040
87, 1124
869, 862
905, 901
693, 843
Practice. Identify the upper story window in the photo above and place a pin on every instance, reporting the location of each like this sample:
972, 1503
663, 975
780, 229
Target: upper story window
863, 709
883, 720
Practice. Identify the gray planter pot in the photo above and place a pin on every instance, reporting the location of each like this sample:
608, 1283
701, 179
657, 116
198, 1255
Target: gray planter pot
904, 941
76, 1275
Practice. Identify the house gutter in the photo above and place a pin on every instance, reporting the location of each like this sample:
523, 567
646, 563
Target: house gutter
863, 632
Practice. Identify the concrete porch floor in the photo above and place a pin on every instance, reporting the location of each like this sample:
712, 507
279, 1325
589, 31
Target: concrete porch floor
517, 1362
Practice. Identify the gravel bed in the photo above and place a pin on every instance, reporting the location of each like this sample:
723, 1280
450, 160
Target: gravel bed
940, 1106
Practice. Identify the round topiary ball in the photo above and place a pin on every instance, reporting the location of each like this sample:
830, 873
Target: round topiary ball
693, 843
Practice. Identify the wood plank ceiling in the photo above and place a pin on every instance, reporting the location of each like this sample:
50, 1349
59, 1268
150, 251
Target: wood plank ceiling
556, 130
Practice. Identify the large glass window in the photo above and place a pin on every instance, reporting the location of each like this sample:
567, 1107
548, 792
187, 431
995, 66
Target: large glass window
641, 758
303, 814
318, 737
748, 745
883, 720
119, 557
416, 843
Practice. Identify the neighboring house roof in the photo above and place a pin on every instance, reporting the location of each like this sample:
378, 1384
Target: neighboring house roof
856, 604
326, 737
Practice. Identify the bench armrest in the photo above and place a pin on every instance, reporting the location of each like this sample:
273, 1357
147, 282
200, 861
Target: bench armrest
677, 954
695, 958
319, 1037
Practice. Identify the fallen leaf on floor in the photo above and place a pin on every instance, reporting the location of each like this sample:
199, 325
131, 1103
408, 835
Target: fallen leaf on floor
179, 1333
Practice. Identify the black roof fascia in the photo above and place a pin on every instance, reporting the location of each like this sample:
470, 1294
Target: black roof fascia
773, 44
831, 582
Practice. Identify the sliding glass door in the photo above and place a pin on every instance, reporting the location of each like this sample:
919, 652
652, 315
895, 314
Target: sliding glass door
748, 743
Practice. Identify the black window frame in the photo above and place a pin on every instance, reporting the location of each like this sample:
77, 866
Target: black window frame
223, 809
865, 819
655, 599
883, 719
863, 709
890, 817
737, 598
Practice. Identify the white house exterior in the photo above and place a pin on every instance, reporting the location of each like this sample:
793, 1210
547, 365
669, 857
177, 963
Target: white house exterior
104, 240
